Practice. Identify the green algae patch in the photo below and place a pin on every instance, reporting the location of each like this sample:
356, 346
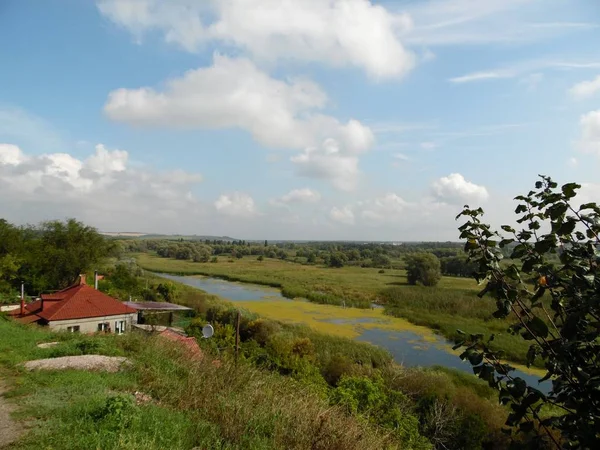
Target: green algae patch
345, 322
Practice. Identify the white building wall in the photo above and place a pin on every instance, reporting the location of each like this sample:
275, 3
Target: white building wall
90, 325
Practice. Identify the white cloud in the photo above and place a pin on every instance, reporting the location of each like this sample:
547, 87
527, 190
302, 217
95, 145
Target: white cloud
329, 162
400, 157
471, 22
11, 155
233, 92
454, 189
585, 89
106, 161
590, 132
102, 189
387, 209
305, 195
337, 32
523, 68
236, 204
573, 162
342, 215
479, 76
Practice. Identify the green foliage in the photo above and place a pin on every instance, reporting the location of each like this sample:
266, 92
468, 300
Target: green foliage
369, 397
558, 317
168, 291
423, 268
50, 256
336, 259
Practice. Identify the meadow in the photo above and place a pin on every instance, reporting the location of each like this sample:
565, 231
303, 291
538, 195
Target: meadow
357, 286
451, 305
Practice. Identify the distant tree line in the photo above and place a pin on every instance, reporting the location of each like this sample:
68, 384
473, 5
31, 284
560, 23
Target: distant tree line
452, 259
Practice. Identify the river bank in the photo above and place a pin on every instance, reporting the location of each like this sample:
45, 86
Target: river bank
410, 345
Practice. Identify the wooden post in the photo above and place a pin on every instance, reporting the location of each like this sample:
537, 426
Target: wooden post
237, 336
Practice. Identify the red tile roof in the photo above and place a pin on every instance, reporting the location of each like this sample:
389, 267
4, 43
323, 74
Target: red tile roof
192, 345
76, 302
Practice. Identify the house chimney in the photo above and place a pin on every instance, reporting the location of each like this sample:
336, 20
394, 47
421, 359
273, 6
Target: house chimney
22, 298
82, 279
96, 279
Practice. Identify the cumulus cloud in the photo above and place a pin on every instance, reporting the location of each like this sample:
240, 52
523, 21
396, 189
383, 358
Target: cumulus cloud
343, 215
236, 204
585, 89
354, 33
102, 189
305, 195
388, 208
329, 162
590, 132
454, 189
234, 92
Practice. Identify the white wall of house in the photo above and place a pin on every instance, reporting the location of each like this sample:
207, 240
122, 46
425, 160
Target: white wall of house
90, 325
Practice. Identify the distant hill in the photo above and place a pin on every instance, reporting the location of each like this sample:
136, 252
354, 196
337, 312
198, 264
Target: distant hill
185, 237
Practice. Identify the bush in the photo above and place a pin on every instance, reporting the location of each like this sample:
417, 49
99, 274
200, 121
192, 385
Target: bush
423, 268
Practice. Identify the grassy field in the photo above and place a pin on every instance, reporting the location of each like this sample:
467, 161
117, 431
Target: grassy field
357, 286
451, 305
195, 405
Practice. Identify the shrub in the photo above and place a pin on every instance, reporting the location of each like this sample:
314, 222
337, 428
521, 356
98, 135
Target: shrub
423, 268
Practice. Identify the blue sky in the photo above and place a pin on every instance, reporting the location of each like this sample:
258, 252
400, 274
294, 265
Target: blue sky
321, 119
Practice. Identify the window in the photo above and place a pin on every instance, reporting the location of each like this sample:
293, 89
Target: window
103, 327
120, 327
73, 329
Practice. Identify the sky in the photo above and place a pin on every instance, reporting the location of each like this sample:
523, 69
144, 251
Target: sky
282, 119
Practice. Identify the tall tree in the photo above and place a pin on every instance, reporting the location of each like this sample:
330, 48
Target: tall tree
423, 268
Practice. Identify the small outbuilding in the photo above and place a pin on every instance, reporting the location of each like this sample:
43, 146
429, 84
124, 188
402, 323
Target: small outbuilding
162, 313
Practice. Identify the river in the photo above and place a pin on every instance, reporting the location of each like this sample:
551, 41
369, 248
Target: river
410, 345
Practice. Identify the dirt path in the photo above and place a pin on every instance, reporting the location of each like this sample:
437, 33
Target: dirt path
9, 430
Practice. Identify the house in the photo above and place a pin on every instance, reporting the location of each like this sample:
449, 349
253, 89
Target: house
78, 308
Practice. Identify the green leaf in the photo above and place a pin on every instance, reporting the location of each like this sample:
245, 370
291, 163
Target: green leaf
520, 209
567, 228
538, 327
569, 189
476, 358
517, 387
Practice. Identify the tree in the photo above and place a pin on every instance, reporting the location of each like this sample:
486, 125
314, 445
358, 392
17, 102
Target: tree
559, 314
336, 259
423, 268
57, 252
266, 243
260, 258
168, 291
381, 261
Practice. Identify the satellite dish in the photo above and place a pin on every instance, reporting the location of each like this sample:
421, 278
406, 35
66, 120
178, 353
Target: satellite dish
207, 331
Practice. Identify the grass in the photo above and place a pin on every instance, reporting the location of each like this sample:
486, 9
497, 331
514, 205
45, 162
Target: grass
451, 305
356, 286
196, 404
